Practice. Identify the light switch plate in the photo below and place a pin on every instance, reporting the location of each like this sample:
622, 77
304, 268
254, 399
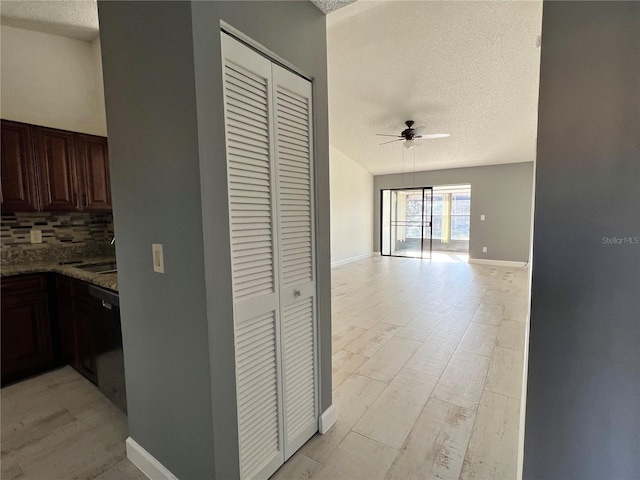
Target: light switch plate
158, 257
36, 235
482, 217
484, 249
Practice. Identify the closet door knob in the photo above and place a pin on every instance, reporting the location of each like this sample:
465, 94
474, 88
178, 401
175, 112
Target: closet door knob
297, 293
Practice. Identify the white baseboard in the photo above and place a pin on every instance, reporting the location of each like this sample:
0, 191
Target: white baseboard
498, 263
351, 259
327, 419
146, 462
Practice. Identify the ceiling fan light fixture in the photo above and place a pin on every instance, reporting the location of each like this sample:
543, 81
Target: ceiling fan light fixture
412, 136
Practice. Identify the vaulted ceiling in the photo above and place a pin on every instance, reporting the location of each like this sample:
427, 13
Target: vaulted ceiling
469, 69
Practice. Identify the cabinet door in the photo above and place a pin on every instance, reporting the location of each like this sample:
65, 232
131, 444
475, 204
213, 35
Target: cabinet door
26, 331
56, 163
85, 338
19, 188
66, 321
93, 172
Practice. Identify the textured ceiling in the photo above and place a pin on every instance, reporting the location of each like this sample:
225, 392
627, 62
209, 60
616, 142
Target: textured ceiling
69, 18
328, 6
469, 69
79, 18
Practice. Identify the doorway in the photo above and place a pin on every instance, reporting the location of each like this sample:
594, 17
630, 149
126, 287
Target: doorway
421, 222
407, 222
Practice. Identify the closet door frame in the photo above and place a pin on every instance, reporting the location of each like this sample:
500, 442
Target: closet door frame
251, 308
311, 288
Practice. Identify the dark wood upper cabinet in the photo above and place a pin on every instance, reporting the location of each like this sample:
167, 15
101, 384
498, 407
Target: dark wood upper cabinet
19, 184
57, 168
50, 170
93, 173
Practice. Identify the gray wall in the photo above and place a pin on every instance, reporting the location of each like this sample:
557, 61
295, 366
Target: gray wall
503, 193
583, 400
163, 89
153, 152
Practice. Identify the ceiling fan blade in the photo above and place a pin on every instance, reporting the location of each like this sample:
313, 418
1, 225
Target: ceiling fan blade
391, 141
435, 135
418, 131
409, 144
385, 135
417, 142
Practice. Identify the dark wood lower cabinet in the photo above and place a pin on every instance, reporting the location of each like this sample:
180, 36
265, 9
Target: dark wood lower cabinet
27, 347
85, 339
43, 328
66, 323
76, 323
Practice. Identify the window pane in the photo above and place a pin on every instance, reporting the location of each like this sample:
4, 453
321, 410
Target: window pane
437, 205
437, 226
461, 204
460, 227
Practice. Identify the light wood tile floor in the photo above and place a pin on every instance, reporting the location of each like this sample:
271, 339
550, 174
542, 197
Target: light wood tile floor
427, 378
427, 365
59, 426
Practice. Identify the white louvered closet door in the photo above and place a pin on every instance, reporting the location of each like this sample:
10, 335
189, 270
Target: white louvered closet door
294, 156
253, 230
271, 213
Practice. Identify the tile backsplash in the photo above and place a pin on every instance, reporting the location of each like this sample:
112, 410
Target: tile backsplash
58, 229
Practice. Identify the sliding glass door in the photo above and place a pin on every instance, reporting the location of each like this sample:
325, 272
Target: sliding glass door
406, 221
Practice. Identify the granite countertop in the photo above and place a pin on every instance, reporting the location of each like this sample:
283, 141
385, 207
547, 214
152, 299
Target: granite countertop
105, 280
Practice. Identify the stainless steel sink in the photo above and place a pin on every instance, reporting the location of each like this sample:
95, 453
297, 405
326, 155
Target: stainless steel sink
109, 267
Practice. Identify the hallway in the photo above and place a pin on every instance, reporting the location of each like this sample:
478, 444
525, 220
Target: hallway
427, 372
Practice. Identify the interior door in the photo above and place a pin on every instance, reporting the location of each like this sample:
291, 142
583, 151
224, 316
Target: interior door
269, 139
294, 157
252, 213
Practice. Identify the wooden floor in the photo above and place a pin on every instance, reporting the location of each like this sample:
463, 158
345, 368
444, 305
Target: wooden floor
427, 378
428, 360
59, 426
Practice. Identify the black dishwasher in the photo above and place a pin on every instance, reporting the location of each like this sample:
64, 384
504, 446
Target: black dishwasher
109, 356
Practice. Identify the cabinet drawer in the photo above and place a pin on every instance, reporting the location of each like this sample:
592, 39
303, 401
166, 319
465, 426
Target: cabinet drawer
70, 287
23, 284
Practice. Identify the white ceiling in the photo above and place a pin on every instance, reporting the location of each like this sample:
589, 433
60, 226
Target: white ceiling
79, 18
469, 69
328, 6
465, 68
69, 18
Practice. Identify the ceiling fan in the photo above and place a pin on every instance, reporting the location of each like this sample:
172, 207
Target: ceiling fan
412, 136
